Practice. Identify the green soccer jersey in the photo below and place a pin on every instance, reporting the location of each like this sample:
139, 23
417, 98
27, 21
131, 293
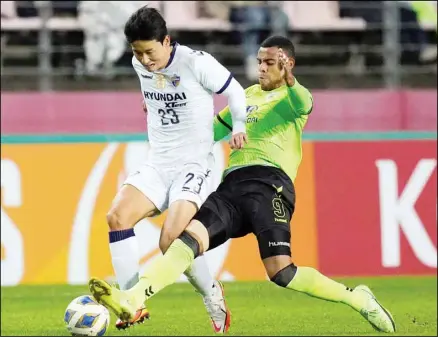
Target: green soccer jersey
274, 125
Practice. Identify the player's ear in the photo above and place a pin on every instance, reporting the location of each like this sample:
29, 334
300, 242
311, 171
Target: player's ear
166, 41
291, 62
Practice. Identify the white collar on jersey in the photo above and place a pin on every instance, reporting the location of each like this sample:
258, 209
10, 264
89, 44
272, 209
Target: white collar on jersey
172, 54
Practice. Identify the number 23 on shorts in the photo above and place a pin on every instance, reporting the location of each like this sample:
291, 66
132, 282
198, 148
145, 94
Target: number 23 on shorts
193, 183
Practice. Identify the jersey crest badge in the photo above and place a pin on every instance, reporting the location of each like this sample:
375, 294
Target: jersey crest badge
251, 108
175, 79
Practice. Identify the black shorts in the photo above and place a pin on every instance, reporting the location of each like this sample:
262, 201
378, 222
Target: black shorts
253, 199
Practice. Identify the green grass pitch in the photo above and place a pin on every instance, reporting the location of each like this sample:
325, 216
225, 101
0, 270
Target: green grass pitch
258, 308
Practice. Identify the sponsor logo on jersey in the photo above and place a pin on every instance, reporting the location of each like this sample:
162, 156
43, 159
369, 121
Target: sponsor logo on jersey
165, 97
149, 77
250, 109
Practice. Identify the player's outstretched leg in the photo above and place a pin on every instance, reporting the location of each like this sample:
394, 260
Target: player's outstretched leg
310, 281
163, 271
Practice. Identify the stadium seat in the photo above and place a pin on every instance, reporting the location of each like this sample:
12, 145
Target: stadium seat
319, 15
8, 9
183, 16
35, 23
14, 23
11, 22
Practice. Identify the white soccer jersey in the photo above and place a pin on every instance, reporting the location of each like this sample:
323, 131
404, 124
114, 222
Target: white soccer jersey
179, 99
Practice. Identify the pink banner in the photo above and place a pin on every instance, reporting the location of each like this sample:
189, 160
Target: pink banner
380, 217
120, 112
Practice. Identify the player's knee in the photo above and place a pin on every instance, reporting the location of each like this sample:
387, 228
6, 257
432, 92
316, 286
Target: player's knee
116, 221
166, 240
163, 246
285, 276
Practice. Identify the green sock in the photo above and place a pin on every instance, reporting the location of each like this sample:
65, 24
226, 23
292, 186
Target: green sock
313, 283
163, 271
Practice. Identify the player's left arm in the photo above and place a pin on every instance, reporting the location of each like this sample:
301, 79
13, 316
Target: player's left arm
300, 99
138, 69
216, 78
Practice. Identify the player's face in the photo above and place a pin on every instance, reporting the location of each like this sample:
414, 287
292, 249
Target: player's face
153, 55
271, 76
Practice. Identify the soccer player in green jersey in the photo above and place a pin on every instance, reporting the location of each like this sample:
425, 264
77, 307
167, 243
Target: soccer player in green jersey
256, 196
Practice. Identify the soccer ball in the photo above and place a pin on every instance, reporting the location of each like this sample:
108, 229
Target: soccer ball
85, 317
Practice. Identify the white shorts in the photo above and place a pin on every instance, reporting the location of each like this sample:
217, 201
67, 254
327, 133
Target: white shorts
163, 186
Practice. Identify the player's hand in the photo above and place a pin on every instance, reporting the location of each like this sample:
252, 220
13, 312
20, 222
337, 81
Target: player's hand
238, 140
283, 60
286, 63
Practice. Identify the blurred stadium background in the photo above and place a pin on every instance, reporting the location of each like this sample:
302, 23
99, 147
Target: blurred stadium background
340, 44
72, 127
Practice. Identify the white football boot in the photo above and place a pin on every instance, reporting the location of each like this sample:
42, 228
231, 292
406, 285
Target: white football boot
379, 317
217, 309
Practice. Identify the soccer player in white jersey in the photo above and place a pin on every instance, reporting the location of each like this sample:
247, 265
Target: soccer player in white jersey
178, 85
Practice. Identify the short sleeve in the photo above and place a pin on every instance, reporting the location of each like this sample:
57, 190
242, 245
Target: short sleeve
210, 73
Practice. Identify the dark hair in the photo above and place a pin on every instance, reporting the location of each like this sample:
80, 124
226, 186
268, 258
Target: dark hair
146, 24
280, 42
